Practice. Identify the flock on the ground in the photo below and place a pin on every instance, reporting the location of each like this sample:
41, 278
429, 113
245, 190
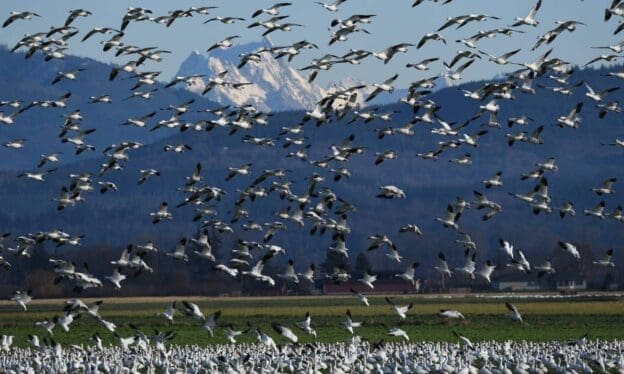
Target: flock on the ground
151, 356
318, 208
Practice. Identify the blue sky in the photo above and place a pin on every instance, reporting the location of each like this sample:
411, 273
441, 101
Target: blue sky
396, 22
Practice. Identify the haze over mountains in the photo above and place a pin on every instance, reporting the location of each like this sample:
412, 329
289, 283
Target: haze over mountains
115, 219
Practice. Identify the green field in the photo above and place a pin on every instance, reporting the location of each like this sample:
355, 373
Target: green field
485, 319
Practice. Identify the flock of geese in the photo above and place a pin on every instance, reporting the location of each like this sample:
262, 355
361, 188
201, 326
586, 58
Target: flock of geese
318, 208
151, 356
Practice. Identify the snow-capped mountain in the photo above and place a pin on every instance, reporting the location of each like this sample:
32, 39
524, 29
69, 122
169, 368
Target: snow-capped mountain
276, 86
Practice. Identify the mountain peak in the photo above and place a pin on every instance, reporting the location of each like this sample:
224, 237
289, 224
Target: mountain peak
276, 86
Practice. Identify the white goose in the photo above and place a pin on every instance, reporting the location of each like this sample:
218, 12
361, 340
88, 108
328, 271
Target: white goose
306, 325
572, 119
289, 274
443, 267
116, 278
233, 272
391, 192
502, 59
37, 176
52, 157
514, 314
285, 332
548, 165
570, 249
204, 244
455, 75
178, 251
451, 218
169, 313
223, 44
486, 271
368, 279
256, 271
70, 75
177, 148
8, 119
451, 314
22, 298
145, 174
400, 310
192, 310
530, 18
566, 209
195, 177
466, 241
266, 340
139, 122
272, 11
15, 144
233, 171
506, 247
65, 320
606, 260
597, 211
422, 65
495, 181
411, 228
225, 20
386, 86
363, 299
430, 36
469, 267
333, 7
598, 96
397, 332
349, 324
211, 322
161, 214
544, 269
387, 54
231, 334
606, 188
464, 339
308, 275
394, 254
14, 16
340, 247
464, 160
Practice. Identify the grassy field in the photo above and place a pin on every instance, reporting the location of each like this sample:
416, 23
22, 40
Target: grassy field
485, 319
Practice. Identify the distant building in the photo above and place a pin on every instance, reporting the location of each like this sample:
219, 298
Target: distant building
571, 285
519, 285
381, 286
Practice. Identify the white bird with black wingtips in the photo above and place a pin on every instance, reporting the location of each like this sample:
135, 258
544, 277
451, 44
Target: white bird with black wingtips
349, 324
368, 279
606, 260
211, 322
514, 314
192, 310
179, 251
169, 312
529, 20
285, 332
400, 310
570, 249
606, 188
161, 214
306, 325
22, 298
